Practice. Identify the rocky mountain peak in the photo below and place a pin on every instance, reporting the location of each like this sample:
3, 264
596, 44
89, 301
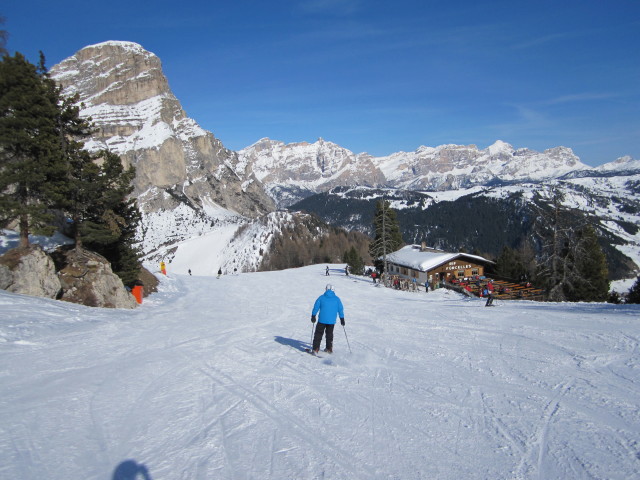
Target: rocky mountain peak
500, 148
309, 167
180, 167
123, 89
113, 73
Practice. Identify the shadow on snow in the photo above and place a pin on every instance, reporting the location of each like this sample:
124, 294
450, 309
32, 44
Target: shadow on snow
290, 342
131, 470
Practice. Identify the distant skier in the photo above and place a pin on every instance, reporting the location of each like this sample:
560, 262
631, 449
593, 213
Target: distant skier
326, 272
489, 299
330, 306
163, 268
346, 270
189, 271
219, 272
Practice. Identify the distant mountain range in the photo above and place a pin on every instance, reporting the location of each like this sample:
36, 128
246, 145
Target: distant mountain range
188, 184
293, 171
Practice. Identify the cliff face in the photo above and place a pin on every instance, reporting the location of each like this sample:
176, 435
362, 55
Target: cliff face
124, 91
291, 172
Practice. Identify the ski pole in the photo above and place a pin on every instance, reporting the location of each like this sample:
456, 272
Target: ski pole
345, 336
313, 326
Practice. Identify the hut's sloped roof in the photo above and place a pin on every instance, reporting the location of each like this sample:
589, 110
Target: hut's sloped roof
411, 256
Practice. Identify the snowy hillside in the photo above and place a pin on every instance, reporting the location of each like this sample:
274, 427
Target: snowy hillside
610, 199
230, 246
191, 189
162, 232
208, 380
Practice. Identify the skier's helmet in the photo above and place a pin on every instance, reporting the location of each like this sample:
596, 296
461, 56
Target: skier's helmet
328, 287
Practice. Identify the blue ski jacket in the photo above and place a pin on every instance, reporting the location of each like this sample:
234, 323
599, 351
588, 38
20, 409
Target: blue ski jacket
330, 306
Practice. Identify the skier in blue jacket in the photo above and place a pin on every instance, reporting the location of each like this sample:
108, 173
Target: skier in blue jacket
330, 306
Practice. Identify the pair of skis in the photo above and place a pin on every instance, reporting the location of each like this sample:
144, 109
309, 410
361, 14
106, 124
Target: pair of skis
311, 352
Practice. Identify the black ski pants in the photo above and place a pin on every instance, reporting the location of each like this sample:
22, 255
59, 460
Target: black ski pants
321, 329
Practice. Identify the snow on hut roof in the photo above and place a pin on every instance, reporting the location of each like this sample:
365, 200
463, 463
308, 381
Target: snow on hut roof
414, 257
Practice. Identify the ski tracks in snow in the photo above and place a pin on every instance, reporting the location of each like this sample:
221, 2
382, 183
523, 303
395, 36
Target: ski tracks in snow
536, 446
317, 445
207, 380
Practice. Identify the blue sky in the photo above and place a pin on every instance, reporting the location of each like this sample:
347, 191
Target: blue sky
377, 76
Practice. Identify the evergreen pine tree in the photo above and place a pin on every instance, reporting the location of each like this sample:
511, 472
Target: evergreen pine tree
31, 157
387, 237
82, 174
4, 35
634, 292
43, 166
590, 282
107, 220
509, 264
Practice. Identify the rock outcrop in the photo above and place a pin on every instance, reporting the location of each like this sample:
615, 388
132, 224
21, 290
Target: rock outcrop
87, 278
29, 271
76, 276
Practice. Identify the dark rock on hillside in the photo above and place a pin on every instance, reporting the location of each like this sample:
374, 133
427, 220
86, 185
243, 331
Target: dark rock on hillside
149, 281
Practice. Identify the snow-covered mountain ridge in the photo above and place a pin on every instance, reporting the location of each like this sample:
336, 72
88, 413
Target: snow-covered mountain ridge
304, 168
622, 164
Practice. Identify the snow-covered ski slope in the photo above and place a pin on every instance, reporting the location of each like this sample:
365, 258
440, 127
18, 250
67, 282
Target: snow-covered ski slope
208, 379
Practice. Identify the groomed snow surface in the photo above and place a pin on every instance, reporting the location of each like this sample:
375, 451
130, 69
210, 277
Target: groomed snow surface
208, 379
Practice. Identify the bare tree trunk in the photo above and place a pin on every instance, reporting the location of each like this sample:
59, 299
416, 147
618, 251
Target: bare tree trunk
24, 230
